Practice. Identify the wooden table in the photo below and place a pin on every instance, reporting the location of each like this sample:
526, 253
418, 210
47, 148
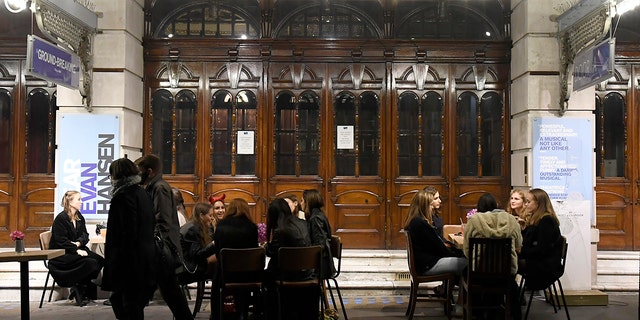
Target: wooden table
457, 239
96, 244
23, 258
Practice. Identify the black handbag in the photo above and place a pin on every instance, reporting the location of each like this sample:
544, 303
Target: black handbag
167, 251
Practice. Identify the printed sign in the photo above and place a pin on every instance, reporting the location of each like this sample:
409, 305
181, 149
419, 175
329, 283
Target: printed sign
87, 144
47, 61
593, 65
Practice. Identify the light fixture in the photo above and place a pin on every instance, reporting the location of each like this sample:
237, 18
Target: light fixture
626, 5
16, 6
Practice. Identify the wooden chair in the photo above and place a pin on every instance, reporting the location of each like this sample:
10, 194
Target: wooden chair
45, 239
554, 294
336, 253
241, 270
488, 272
201, 294
294, 261
447, 280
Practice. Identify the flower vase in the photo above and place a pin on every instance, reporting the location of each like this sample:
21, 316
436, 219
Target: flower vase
20, 245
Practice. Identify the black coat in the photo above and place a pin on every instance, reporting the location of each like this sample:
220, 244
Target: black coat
320, 232
428, 247
71, 268
165, 210
130, 250
194, 252
293, 232
235, 232
541, 251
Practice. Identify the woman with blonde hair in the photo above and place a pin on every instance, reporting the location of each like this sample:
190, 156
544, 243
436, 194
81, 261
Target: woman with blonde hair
79, 265
516, 206
432, 256
541, 241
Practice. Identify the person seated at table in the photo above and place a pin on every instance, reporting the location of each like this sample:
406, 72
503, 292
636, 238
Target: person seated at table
432, 256
540, 257
219, 209
79, 265
438, 223
197, 244
290, 232
516, 206
180, 210
235, 230
491, 222
295, 205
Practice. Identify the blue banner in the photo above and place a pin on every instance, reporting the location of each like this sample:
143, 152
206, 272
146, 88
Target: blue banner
50, 62
87, 144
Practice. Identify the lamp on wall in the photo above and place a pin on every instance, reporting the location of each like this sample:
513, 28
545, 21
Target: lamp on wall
15, 6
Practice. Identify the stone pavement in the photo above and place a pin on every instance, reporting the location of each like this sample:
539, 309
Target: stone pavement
622, 306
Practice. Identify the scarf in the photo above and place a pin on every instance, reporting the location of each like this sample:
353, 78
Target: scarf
121, 184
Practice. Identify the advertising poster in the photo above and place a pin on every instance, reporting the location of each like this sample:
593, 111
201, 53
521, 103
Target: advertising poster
87, 144
562, 166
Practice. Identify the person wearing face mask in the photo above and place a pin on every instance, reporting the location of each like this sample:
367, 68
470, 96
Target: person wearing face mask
168, 229
130, 252
79, 265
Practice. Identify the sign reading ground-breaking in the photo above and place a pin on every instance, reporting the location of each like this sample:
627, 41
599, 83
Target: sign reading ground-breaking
48, 61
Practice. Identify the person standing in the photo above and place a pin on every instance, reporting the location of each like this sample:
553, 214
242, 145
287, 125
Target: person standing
130, 252
79, 265
168, 228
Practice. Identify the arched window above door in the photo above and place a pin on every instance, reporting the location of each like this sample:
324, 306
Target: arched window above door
333, 21
40, 131
208, 20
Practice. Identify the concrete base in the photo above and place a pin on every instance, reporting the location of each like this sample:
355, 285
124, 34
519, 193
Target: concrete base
585, 298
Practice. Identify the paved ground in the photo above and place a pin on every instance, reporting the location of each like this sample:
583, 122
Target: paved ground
621, 306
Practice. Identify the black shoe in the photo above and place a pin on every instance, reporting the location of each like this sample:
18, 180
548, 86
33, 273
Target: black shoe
107, 302
77, 292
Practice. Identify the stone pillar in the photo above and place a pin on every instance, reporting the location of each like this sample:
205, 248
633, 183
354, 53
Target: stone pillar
535, 93
117, 72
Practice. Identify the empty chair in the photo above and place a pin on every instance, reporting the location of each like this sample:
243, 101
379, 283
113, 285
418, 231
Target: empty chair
488, 274
336, 253
417, 279
241, 272
299, 268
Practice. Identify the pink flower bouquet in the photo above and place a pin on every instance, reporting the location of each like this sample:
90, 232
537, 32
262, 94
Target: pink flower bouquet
16, 235
471, 212
262, 232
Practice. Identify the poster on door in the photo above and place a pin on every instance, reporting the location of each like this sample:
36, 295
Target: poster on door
87, 145
563, 167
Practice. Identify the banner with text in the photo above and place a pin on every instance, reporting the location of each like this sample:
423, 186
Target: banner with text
87, 144
562, 166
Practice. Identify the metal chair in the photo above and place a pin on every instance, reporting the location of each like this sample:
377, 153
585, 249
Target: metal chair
241, 270
488, 272
447, 280
44, 240
299, 267
336, 253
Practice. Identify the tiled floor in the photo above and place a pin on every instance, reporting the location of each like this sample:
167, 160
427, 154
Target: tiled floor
621, 306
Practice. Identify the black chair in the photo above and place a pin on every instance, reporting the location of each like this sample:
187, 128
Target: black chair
447, 280
241, 271
336, 253
488, 274
551, 295
201, 294
45, 239
299, 267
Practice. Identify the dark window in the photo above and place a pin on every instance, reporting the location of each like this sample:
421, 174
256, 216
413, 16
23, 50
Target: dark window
40, 131
492, 134
186, 104
610, 136
345, 118
327, 22
408, 134
432, 108
246, 124
309, 133
369, 134
467, 127
448, 22
285, 134
221, 109
6, 132
208, 20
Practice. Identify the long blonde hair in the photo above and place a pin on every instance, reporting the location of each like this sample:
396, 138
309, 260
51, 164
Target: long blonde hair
522, 213
545, 208
421, 206
66, 203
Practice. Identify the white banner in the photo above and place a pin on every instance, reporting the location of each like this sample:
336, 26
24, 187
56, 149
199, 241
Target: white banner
87, 144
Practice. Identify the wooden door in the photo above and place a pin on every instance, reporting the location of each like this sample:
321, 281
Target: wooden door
617, 158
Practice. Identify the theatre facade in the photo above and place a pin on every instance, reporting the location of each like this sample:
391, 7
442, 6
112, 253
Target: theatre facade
367, 101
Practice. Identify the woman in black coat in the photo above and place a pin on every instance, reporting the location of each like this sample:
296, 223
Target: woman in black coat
79, 265
130, 251
197, 245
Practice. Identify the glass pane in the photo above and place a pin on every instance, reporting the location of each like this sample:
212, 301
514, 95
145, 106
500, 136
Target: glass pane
432, 106
345, 115
285, 134
6, 134
408, 132
492, 134
332, 22
208, 20
309, 133
221, 104
369, 134
613, 113
448, 22
186, 132
37, 131
467, 124
246, 120
162, 125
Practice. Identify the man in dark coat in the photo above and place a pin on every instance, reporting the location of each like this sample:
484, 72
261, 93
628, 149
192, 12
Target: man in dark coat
168, 227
